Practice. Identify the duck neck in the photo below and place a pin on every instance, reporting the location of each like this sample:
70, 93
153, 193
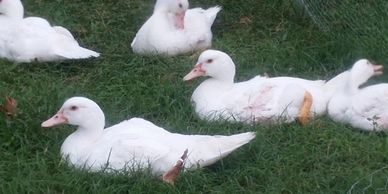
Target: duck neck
163, 11
351, 89
161, 6
225, 72
353, 84
219, 83
225, 77
339, 82
91, 129
224, 81
14, 9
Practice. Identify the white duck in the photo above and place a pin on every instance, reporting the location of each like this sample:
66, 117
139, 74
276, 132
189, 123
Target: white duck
135, 142
174, 29
34, 39
365, 108
261, 99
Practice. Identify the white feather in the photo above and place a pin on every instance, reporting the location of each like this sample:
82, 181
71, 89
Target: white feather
364, 108
34, 39
135, 142
159, 36
260, 99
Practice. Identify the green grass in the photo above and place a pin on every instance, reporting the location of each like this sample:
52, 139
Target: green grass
322, 157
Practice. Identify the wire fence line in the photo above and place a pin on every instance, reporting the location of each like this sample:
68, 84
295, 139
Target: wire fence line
358, 22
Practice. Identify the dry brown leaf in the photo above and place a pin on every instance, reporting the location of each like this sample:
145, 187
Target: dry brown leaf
246, 20
9, 107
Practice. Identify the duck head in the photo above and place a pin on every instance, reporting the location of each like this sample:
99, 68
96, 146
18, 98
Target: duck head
215, 64
362, 70
79, 111
12, 8
177, 8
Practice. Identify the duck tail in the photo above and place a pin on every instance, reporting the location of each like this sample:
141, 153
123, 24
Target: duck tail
217, 147
63, 31
211, 13
77, 53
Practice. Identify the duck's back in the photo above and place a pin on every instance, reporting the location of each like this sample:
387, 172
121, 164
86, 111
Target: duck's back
372, 102
159, 36
133, 143
366, 109
137, 143
260, 98
26, 41
215, 100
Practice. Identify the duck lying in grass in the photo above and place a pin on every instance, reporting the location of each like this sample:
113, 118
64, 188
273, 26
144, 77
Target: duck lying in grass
174, 29
135, 142
364, 108
260, 99
34, 39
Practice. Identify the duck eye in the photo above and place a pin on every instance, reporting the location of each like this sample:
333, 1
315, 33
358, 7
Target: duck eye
209, 61
73, 108
180, 5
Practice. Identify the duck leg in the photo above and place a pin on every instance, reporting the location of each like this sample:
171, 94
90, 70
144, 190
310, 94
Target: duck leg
304, 111
172, 174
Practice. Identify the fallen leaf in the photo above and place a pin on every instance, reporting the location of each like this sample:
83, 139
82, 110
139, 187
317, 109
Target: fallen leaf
9, 107
245, 20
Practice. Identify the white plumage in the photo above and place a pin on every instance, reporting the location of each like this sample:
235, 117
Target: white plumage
34, 39
173, 29
135, 142
260, 99
364, 108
